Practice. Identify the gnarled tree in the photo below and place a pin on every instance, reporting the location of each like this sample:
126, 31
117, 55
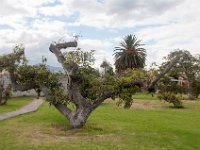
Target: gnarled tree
103, 88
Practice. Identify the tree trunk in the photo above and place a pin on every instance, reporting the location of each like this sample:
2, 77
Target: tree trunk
79, 118
189, 88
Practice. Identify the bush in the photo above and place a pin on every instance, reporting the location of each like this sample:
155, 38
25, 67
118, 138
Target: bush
171, 98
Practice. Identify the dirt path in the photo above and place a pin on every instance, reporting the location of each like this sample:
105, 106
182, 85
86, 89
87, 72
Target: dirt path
33, 106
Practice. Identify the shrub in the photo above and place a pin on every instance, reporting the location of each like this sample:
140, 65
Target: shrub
171, 98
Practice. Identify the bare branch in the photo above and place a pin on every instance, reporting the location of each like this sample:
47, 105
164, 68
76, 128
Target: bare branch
63, 109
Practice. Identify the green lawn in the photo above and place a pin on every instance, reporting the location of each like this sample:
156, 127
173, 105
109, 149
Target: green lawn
145, 96
15, 103
109, 127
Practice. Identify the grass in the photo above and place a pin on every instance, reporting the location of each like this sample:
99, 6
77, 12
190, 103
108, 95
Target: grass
148, 96
109, 127
15, 103
145, 96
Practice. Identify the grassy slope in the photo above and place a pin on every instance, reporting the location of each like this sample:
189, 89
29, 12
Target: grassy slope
15, 103
109, 127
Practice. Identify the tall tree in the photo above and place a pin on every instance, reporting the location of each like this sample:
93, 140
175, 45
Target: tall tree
187, 67
129, 54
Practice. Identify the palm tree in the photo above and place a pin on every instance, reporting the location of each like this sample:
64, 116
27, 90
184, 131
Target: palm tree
129, 54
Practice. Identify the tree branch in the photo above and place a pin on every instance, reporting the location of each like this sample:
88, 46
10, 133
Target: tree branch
166, 70
102, 98
63, 109
71, 70
107, 95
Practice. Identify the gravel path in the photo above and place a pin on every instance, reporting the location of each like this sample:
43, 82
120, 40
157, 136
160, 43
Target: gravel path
33, 106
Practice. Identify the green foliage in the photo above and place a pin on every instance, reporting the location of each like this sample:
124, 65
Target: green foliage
93, 85
82, 58
90, 78
188, 68
170, 97
168, 91
125, 96
37, 76
11, 61
125, 93
196, 88
133, 74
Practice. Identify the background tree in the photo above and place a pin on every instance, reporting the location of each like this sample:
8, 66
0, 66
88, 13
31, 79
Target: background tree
107, 68
186, 68
10, 62
129, 54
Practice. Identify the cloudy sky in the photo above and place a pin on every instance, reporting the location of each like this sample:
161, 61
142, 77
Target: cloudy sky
162, 25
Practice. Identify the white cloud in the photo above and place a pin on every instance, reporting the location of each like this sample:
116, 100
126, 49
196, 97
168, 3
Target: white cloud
119, 14
163, 24
58, 10
101, 47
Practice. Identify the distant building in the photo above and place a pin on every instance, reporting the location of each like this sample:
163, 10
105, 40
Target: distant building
182, 80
